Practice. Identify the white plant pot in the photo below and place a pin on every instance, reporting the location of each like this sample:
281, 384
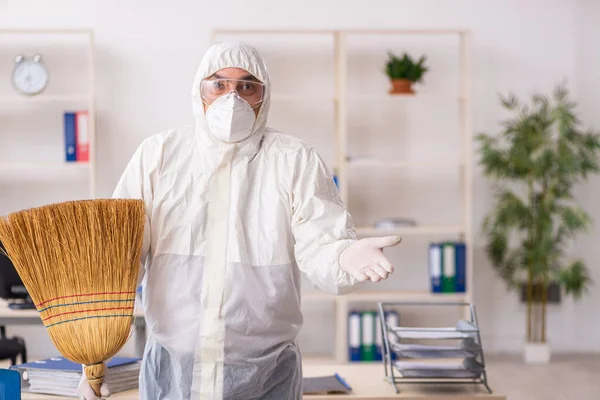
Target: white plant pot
537, 353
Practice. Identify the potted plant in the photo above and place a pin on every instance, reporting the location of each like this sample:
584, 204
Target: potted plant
403, 72
535, 162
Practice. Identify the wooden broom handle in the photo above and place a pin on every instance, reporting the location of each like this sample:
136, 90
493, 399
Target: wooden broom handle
95, 376
95, 384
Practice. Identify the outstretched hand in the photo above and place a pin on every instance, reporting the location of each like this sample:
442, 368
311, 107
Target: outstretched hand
365, 260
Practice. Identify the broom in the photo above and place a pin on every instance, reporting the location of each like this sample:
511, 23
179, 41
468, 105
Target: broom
79, 261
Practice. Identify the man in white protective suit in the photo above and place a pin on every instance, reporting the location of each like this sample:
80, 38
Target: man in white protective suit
235, 212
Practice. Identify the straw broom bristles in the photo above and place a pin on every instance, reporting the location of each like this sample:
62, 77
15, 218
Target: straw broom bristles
79, 261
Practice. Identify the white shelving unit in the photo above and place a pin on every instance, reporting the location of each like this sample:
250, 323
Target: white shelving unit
85, 100
345, 165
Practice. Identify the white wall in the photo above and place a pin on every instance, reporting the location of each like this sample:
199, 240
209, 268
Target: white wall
147, 53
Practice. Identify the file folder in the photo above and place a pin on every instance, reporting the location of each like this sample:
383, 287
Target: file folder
448, 269
435, 267
368, 336
461, 267
354, 339
378, 340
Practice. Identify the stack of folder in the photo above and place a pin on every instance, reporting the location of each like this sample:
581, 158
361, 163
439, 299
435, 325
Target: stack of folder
77, 136
460, 360
59, 376
365, 336
447, 267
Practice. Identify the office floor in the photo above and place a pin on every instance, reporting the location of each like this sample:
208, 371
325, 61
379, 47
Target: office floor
572, 377
567, 377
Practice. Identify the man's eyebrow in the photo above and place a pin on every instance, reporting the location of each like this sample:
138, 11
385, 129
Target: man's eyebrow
248, 77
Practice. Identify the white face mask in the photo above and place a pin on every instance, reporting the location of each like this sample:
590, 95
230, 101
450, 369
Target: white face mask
230, 118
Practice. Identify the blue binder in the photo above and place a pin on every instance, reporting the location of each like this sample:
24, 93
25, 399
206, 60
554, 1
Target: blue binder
10, 385
461, 266
435, 267
378, 339
354, 336
70, 137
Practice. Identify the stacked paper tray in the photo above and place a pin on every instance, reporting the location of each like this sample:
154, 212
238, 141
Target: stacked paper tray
467, 348
467, 369
443, 354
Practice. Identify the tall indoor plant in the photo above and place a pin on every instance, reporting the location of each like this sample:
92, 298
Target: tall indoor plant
540, 154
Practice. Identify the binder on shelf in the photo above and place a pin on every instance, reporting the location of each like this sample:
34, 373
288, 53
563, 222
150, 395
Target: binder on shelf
82, 136
461, 267
70, 137
435, 267
354, 336
378, 340
368, 336
448, 268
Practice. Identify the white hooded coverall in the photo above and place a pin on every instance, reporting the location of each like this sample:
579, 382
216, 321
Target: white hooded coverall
230, 228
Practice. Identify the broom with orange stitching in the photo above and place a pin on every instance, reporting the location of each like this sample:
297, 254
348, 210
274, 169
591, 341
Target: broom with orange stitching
79, 261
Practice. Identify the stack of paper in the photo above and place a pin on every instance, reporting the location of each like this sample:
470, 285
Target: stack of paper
60, 376
466, 349
462, 330
467, 369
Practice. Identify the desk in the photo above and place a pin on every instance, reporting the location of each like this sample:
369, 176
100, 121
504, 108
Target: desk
367, 384
8, 316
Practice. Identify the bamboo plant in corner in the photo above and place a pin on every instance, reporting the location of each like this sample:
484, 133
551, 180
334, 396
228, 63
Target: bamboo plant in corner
539, 156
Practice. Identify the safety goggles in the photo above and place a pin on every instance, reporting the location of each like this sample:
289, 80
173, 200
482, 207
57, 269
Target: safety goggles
251, 91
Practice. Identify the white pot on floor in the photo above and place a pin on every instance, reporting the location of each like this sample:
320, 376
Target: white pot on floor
537, 353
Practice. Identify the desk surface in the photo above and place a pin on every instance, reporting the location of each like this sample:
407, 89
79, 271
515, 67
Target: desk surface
367, 383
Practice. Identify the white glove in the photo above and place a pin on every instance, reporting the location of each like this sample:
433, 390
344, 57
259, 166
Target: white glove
85, 391
365, 260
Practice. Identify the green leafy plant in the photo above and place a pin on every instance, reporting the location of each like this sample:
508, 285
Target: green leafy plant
405, 67
540, 154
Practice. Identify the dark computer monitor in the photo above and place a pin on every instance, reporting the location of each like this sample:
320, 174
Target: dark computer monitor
11, 285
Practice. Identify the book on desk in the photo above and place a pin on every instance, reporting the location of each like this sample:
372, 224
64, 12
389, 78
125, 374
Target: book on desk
333, 384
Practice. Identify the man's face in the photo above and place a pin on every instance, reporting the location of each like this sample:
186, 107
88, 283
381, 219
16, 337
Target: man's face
234, 74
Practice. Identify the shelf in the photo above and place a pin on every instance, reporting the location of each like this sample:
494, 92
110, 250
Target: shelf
309, 98
404, 295
43, 168
368, 162
43, 99
317, 31
411, 230
400, 97
386, 296
347, 99
9, 31
317, 296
